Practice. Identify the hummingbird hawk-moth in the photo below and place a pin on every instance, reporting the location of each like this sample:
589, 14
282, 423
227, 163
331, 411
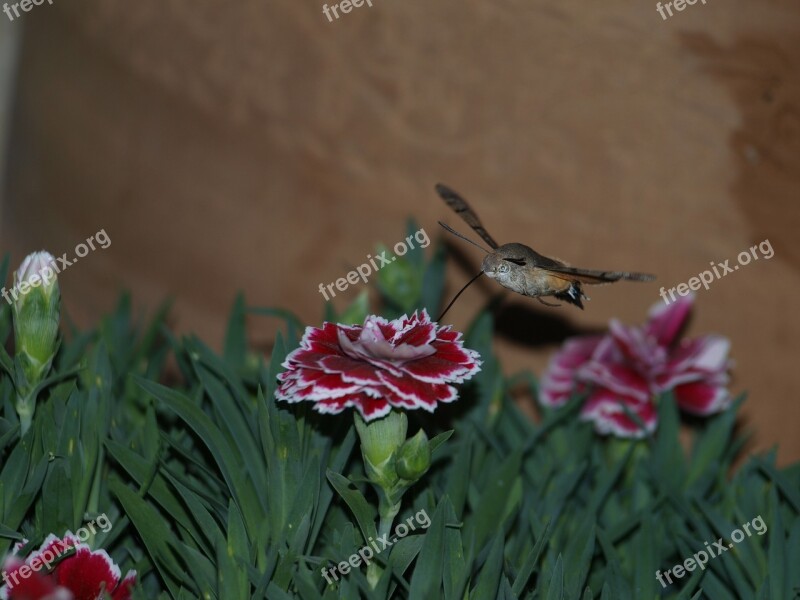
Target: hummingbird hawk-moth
522, 269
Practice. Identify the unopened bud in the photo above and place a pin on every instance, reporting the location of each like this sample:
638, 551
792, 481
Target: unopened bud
380, 440
414, 458
36, 310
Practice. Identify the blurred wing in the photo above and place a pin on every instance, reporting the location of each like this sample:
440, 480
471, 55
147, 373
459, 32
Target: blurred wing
591, 277
463, 210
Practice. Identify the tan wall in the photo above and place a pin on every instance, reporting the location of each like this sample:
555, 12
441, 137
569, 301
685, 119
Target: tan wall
254, 145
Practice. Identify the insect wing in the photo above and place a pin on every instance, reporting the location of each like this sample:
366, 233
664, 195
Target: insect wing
463, 210
592, 277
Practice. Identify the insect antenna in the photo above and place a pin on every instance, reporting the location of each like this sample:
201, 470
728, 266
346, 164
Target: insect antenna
463, 237
458, 294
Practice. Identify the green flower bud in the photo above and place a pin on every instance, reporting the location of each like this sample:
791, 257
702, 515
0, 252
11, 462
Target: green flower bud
380, 440
36, 310
414, 458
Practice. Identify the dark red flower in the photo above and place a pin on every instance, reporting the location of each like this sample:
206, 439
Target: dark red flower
406, 363
626, 370
64, 569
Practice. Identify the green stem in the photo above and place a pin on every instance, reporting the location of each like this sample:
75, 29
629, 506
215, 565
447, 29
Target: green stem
387, 511
25, 409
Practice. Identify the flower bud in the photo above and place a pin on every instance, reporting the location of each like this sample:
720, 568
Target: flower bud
380, 440
414, 457
37, 269
36, 310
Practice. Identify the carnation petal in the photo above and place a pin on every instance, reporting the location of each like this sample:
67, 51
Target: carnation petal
618, 378
372, 344
422, 394
35, 585
439, 369
707, 353
559, 379
701, 398
665, 321
87, 573
123, 591
611, 413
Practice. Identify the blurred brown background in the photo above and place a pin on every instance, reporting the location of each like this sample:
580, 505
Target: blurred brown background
257, 146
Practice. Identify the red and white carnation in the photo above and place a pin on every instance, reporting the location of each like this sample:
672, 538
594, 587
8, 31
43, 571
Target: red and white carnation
407, 363
64, 569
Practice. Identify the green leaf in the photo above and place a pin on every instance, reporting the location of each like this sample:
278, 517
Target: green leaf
155, 535
433, 281
236, 425
489, 575
779, 588
294, 326
554, 587
456, 573
712, 444
459, 477
326, 493
364, 512
577, 557
438, 440
426, 582
497, 501
232, 556
357, 311
531, 560
644, 582
226, 458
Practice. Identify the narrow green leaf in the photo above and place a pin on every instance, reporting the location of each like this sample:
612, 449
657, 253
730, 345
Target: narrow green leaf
364, 512
489, 575
236, 335
240, 487
426, 582
531, 560
154, 533
554, 589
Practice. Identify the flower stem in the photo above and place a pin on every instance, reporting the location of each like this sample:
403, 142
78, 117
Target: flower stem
25, 409
387, 511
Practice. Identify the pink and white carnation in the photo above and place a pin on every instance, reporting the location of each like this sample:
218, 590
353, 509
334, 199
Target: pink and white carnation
624, 371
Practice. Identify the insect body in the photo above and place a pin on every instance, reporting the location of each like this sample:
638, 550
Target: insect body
525, 271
